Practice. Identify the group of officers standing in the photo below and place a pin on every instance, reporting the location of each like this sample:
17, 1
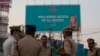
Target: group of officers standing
28, 45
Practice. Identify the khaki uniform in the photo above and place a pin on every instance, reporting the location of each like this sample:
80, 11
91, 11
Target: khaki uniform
45, 51
69, 47
28, 46
93, 52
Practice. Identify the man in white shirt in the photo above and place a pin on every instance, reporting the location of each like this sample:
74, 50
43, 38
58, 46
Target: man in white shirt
9, 44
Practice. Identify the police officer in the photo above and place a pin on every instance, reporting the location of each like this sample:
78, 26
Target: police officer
28, 46
93, 51
68, 47
9, 44
46, 51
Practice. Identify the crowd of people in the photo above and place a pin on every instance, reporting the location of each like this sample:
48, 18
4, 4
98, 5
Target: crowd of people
28, 45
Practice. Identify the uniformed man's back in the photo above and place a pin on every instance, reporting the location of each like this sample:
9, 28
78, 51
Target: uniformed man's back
29, 46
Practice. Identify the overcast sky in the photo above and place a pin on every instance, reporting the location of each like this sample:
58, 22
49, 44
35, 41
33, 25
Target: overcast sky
90, 14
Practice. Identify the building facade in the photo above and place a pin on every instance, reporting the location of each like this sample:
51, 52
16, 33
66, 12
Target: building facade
4, 11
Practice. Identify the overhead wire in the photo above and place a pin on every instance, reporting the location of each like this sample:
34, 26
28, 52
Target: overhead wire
90, 28
85, 34
92, 33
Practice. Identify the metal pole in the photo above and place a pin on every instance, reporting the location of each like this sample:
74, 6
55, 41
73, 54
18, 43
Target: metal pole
78, 37
50, 31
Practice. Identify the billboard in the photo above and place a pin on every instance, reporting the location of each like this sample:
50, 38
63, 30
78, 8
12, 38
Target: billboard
55, 17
